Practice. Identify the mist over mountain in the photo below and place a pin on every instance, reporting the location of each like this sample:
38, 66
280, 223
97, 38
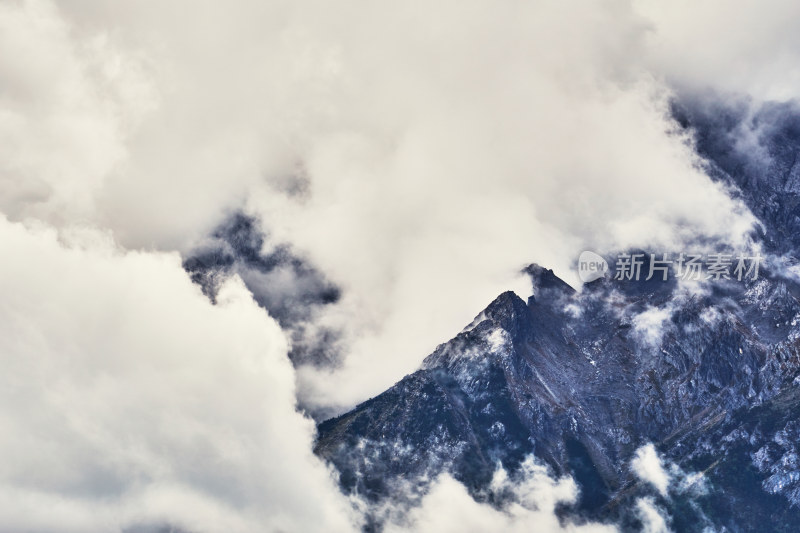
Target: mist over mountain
706, 371
286, 285
237, 236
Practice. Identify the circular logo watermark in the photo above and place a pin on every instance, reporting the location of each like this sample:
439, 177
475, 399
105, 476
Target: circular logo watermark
591, 266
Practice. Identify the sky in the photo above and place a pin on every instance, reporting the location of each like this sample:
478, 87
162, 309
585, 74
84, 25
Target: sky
437, 149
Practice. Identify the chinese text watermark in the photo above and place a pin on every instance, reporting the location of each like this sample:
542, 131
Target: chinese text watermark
683, 266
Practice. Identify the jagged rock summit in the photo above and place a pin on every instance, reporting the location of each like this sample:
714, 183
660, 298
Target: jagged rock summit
580, 381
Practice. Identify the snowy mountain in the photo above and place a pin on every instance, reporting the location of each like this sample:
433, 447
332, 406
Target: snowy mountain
709, 373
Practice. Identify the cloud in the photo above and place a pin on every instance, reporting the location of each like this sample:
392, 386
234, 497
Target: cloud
419, 157
648, 467
743, 47
417, 154
287, 286
450, 174
533, 500
128, 398
651, 324
65, 107
651, 516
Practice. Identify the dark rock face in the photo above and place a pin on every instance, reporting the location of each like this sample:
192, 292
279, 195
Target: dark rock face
581, 380
282, 282
755, 151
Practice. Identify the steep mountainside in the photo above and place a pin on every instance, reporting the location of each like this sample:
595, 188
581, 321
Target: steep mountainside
581, 381
708, 372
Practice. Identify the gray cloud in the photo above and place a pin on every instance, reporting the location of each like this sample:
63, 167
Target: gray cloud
436, 150
129, 398
417, 154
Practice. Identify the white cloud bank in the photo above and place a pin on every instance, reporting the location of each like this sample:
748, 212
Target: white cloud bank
741, 47
448, 508
651, 516
648, 467
443, 144
127, 398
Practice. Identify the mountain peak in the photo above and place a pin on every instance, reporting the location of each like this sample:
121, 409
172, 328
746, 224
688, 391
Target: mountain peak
545, 278
508, 311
